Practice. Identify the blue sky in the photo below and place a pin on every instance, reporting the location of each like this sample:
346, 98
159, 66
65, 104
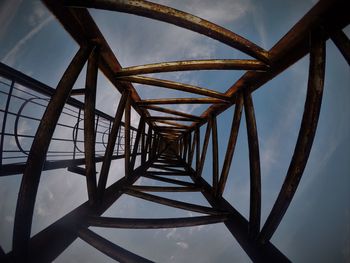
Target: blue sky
315, 228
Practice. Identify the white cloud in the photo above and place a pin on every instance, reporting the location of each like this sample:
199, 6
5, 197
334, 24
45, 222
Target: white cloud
38, 14
183, 245
171, 233
9, 219
10, 57
8, 10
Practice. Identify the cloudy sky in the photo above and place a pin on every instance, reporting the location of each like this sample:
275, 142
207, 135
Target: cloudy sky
316, 227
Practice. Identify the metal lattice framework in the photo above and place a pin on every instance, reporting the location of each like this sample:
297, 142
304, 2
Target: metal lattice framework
169, 146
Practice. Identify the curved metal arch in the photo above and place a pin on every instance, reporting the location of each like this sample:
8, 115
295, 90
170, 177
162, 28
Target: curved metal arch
176, 86
178, 18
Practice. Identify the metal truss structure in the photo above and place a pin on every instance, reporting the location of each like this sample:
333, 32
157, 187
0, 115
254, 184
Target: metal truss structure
168, 146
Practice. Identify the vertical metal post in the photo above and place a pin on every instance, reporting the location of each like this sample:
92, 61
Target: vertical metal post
127, 136
205, 147
231, 144
111, 144
143, 141
136, 144
198, 148
215, 154
254, 164
189, 148
305, 138
89, 126
75, 135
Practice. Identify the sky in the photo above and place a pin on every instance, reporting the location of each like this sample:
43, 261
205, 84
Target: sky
316, 227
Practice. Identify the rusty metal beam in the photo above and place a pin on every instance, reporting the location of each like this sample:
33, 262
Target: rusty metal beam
175, 86
174, 203
198, 148
143, 144
89, 125
342, 42
110, 249
215, 153
170, 111
238, 226
136, 144
80, 25
204, 149
162, 118
110, 144
127, 113
167, 180
171, 123
77, 92
231, 145
181, 101
292, 47
209, 64
254, 165
148, 188
155, 223
305, 138
179, 18
37, 155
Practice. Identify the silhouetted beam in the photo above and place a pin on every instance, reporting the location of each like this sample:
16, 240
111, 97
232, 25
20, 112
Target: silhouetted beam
231, 145
168, 180
191, 153
127, 152
147, 188
110, 249
176, 86
179, 18
185, 140
155, 223
156, 118
3, 257
254, 165
149, 142
204, 149
77, 170
189, 148
76, 92
18, 168
215, 153
170, 111
342, 42
168, 173
37, 155
111, 144
89, 125
143, 144
210, 64
137, 141
180, 101
49, 243
198, 147
174, 203
238, 226
305, 138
